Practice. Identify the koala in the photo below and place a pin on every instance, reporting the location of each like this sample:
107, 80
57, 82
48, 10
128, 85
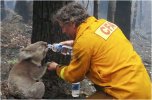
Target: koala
24, 77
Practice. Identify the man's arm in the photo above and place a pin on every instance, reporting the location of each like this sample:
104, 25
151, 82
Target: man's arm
68, 42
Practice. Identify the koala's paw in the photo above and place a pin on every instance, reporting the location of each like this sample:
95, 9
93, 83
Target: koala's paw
36, 91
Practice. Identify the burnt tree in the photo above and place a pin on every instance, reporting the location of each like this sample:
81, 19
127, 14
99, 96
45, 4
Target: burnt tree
135, 14
123, 16
3, 13
95, 12
111, 11
46, 29
22, 8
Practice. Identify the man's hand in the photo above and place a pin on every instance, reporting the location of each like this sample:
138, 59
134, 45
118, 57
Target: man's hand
52, 65
68, 42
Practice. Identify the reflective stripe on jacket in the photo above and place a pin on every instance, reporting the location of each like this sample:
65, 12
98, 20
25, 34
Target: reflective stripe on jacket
103, 54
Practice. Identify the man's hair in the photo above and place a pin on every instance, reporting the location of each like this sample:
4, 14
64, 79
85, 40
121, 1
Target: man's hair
72, 12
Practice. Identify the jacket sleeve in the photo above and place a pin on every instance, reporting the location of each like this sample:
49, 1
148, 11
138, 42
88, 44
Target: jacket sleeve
79, 64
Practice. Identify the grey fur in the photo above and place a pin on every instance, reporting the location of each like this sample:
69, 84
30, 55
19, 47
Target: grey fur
24, 77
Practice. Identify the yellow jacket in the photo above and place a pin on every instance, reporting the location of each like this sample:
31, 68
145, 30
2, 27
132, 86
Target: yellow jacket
103, 54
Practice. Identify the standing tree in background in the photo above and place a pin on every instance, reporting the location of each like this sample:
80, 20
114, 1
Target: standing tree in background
119, 12
95, 12
22, 9
3, 13
135, 15
123, 16
46, 29
111, 11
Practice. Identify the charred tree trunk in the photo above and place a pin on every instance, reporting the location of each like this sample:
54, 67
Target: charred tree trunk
135, 15
123, 16
20, 5
45, 29
95, 12
3, 13
111, 11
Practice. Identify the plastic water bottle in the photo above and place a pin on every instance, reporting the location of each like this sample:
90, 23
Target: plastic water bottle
63, 49
76, 89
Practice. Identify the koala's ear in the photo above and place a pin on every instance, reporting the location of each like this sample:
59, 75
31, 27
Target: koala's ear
25, 54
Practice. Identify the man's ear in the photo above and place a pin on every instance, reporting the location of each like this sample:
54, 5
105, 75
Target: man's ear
25, 54
73, 24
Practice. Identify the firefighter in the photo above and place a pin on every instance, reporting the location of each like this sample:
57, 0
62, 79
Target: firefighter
103, 54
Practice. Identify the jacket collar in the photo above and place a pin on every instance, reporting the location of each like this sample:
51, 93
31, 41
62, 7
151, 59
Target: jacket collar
83, 26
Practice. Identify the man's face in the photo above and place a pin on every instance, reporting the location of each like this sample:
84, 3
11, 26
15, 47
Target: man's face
69, 29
